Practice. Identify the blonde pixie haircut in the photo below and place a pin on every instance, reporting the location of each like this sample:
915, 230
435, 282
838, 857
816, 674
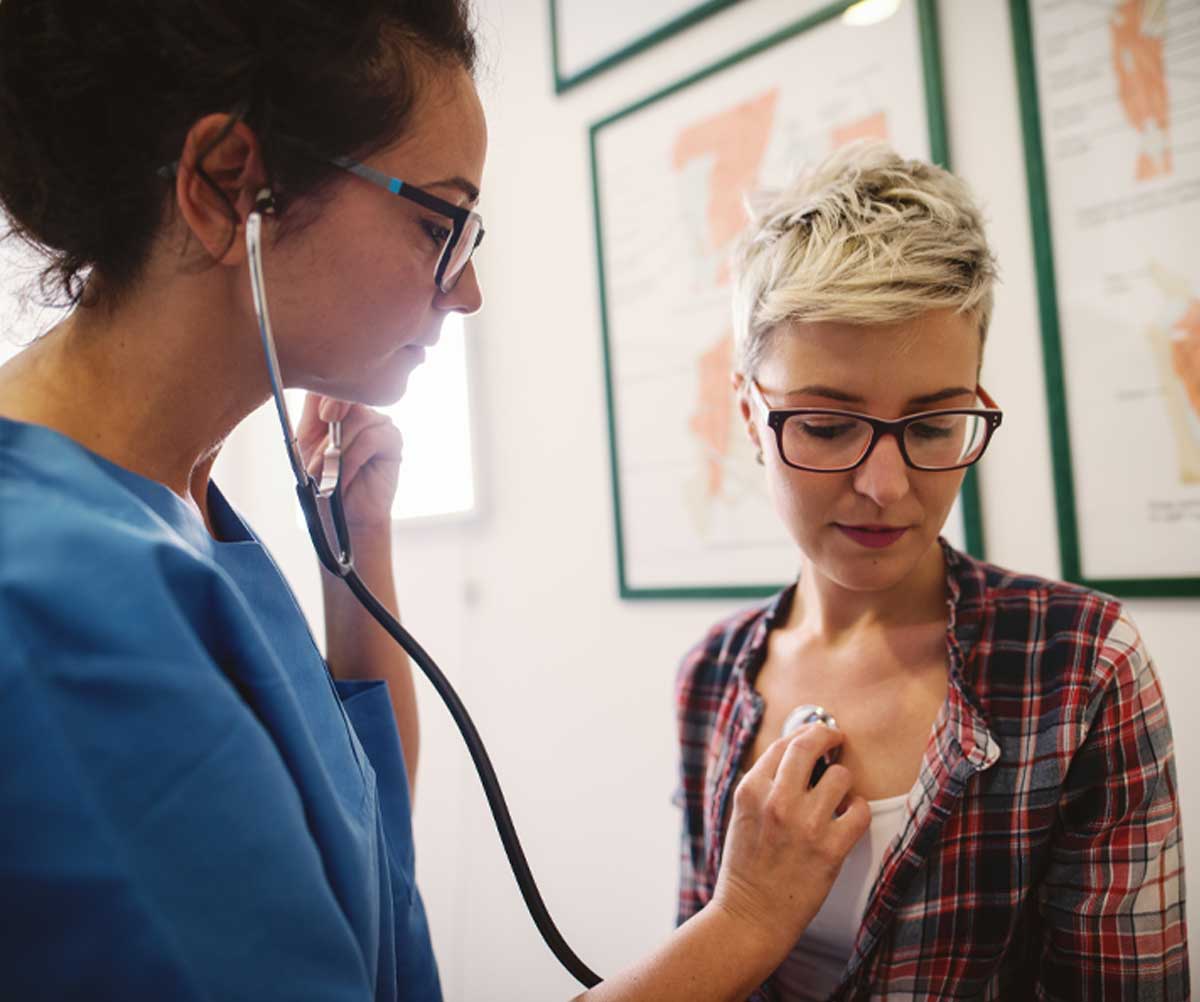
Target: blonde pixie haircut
864, 237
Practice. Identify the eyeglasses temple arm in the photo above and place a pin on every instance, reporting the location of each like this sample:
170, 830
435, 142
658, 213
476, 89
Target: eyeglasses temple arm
986, 398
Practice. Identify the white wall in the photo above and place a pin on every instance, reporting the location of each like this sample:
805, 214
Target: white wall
570, 686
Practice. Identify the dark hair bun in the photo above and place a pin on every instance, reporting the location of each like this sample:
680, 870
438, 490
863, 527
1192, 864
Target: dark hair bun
96, 98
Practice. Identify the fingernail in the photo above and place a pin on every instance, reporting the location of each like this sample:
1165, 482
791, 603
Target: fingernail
325, 411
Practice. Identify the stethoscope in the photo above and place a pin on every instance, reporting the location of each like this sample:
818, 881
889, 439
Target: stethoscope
338, 559
810, 713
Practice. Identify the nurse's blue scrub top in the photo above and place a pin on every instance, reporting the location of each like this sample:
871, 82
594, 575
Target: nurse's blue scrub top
191, 809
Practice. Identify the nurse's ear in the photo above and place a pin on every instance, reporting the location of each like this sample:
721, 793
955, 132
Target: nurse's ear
741, 390
219, 174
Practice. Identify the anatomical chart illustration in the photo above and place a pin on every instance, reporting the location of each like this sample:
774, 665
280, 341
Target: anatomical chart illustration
1119, 86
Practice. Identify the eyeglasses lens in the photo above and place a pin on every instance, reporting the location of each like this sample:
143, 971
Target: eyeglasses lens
838, 442
459, 251
946, 440
825, 441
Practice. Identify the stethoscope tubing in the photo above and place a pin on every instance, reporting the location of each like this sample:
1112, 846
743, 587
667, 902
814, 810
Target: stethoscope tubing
487, 776
342, 565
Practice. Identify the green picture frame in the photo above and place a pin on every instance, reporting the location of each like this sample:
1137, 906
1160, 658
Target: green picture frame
565, 79
1069, 542
931, 75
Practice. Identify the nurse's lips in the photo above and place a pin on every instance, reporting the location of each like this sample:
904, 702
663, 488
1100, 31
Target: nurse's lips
422, 344
874, 536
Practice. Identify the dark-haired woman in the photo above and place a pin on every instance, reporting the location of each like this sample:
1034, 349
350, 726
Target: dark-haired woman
194, 806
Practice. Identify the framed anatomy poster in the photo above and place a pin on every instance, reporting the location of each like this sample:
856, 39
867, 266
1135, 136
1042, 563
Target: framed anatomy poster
1110, 93
670, 175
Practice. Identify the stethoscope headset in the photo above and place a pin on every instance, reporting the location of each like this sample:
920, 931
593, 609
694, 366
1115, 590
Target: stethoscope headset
337, 558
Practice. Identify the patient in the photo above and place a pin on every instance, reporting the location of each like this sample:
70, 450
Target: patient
1008, 732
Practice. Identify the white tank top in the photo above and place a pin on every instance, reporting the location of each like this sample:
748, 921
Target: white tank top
813, 969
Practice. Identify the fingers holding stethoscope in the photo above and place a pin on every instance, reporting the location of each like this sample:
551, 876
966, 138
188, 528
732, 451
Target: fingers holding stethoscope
311, 432
366, 434
313, 429
806, 749
371, 451
784, 773
787, 840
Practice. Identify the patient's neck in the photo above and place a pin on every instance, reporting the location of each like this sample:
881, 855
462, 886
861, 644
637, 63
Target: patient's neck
827, 612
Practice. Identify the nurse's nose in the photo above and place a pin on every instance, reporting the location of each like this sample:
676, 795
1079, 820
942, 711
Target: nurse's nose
883, 477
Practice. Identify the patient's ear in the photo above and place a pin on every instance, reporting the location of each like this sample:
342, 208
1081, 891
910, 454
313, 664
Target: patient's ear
741, 390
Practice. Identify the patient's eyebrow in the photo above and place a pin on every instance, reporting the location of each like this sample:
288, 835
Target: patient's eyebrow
936, 398
831, 393
828, 392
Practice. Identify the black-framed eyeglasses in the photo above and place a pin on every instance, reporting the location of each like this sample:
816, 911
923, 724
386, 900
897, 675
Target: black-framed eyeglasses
466, 230
820, 440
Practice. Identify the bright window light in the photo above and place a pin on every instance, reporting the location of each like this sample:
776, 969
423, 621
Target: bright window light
437, 474
22, 317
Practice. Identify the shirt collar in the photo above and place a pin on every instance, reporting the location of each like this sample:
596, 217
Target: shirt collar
753, 653
965, 606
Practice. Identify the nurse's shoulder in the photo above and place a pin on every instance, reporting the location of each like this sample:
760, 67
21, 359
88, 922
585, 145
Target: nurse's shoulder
156, 842
94, 558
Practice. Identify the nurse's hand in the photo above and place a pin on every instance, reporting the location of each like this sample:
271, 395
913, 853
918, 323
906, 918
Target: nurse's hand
356, 647
783, 851
371, 451
786, 842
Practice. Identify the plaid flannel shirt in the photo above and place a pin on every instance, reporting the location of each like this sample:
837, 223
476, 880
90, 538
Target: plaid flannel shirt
1041, 856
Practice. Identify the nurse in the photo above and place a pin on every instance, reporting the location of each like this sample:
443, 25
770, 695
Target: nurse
196, 804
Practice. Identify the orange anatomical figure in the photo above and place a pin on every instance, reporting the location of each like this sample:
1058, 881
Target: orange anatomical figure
872, 126
1138, 34
1185, 353
713, 420
736, 139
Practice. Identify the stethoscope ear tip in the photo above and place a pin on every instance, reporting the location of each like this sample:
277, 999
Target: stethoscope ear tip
264, 201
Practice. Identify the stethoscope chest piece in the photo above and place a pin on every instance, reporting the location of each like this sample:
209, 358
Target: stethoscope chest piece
810, 713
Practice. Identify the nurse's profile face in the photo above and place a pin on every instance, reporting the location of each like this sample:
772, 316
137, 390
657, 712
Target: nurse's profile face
353, 297
838, 519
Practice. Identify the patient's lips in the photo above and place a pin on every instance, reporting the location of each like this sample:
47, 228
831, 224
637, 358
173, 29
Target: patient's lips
873, 536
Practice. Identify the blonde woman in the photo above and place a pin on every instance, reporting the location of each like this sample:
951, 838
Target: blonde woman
1008, 733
